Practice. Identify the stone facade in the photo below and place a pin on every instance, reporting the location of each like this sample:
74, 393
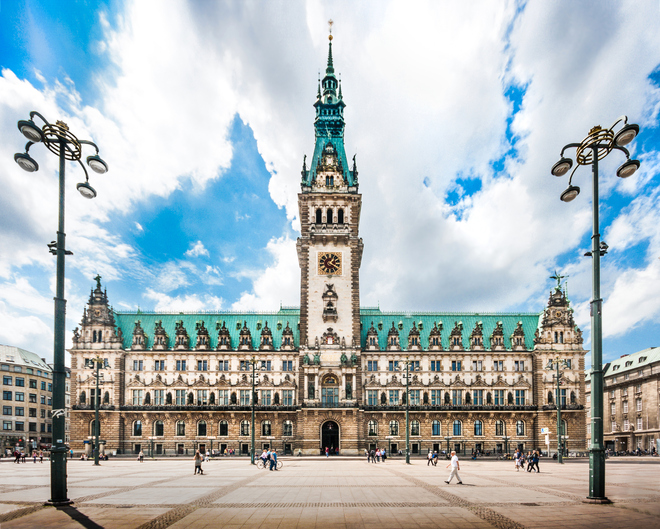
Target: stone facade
631, 401
329, 373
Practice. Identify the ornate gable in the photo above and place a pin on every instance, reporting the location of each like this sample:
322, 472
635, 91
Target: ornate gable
203, 342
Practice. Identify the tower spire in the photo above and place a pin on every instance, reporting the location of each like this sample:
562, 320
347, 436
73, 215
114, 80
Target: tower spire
330, 69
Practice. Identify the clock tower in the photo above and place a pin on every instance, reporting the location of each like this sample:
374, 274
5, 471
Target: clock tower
329, 248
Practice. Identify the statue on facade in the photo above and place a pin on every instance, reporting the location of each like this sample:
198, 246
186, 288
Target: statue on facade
343, 359
317, 359
306, 359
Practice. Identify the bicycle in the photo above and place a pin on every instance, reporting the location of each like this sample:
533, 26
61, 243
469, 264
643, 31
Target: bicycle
261, 464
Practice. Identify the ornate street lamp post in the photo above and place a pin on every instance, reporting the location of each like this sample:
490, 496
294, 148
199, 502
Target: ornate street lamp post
556, 364
448, 438
253, 361
64, 144
410, 364
99, 362
596, 146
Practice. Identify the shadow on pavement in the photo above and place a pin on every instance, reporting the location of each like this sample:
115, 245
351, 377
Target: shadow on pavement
79, 517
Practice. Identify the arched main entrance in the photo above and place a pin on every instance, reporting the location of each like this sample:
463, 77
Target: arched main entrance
330, 437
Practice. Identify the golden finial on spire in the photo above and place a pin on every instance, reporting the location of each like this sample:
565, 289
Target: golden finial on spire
330, 23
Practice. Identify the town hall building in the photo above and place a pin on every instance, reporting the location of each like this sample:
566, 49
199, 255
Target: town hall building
328, 373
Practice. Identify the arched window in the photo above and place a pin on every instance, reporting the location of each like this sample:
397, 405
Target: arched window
106, 398
373, 428
550, 397
319, 216
436, 428
447, 398
414, 428
137, 429
489, 398
520, 428
158, 428
478, 428
201, 428
265, 428
499, 428
191, 398
94, 336
329, 216
287, 428
510, 399
458, 428
468, 399
556, 337
394, 427
340, 216
245, 427
92, 425
223, 429
180, 428
561, 336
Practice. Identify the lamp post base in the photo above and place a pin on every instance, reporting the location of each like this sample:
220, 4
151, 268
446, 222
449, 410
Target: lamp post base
599, 501
59, 503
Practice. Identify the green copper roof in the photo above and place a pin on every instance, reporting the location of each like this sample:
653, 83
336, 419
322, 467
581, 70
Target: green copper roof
633, 362
403, 322
233, 321
329, 126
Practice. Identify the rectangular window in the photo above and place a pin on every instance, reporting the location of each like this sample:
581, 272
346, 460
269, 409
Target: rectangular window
159, 365
435, 365
625, 392
244, 395
33, 397
6, 410
20, 382
137, 365
613, 409
265, 365
588, 399
478, 397
625, 406
50, 386
223, 397
202, 365
640, 423
43, 386
394, 397
626, 425
32, 426
223, 365
498, 396
519, 365
6, 395
638, 388
7, 380
202, 397
245, 365
414, 365
19, 411
455, 365
287, 365
456, 397
180, 365
33, 383
42, 399
393, 365
6, 425
562, 399
436, 397
266, 397
414, 397
287, 397
372, 397
639, 404
477, 365
138, 397
372, 365
20, 427
18, 369
569, 364
50, 401
520, 397
43, 413
159, 397
180, 397
498, 365
19, 397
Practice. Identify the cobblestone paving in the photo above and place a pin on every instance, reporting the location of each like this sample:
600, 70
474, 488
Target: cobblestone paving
331, 493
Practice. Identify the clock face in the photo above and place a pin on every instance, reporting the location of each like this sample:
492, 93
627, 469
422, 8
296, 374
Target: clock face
329, 263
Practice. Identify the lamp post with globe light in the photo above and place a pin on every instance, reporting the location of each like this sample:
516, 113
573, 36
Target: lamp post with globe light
60, 141
596, 146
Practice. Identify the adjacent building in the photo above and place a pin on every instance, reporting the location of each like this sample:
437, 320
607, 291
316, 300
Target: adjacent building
27, 389
328, 373
631, 401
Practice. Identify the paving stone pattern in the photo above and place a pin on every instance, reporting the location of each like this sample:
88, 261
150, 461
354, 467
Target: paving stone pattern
334, 493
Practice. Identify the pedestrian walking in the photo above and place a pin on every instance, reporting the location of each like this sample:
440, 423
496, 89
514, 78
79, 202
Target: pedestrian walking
41, 456
198, 463
17, 455
435, 458
373, 456
273, 460
429, 458
455, 467
535, 460
141, 457
384, 455
327, 452
71, 452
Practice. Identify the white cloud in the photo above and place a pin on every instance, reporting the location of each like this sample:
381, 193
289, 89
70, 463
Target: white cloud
197, 250
138, 226
185, 303
278, 283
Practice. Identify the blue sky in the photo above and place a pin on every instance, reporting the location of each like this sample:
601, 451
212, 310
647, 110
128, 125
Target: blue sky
204, 112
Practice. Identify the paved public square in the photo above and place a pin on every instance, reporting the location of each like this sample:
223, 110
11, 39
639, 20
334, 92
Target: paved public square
333, 493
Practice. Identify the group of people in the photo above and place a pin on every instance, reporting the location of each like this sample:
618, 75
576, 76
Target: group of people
269, 458
432, 458
375, 456
532, 459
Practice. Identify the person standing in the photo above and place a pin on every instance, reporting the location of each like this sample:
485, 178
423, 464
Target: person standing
327, 452
273, 460
141, 457
535, 460
455, 467
373, 456
198, 463
429, 458
41, 456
